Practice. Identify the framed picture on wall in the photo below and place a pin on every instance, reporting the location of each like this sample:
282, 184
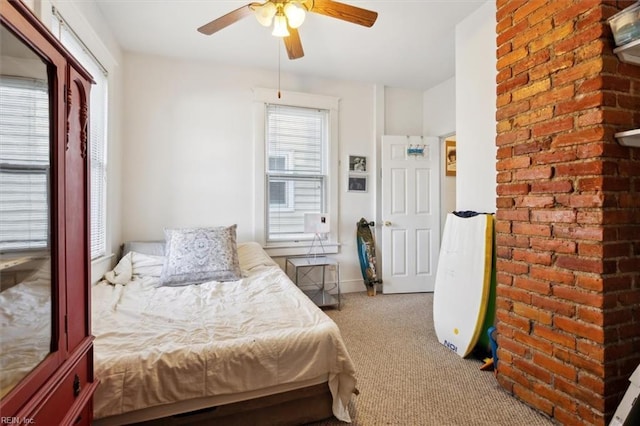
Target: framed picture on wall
357, 183
357, 163
450, 158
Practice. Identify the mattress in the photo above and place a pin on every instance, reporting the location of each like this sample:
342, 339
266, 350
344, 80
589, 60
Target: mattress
224, 341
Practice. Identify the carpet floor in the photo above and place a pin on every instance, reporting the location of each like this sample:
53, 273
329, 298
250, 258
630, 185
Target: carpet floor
406, 377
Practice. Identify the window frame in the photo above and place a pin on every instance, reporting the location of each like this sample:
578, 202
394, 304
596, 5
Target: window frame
98, 158
263, 97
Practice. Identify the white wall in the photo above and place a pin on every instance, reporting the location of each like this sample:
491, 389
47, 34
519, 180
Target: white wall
403, 112
440, 120
188, 138
180, 143
440, 109
475, 110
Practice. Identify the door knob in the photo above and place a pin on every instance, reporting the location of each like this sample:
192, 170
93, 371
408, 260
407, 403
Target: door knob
387, 223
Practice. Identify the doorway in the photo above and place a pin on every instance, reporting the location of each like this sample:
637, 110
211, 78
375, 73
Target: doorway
411, 169
448, 177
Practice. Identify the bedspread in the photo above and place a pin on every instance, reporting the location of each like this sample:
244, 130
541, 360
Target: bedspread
25, 327
178, 343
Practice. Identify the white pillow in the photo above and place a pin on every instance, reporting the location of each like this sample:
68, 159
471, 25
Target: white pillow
145, 265
122, 273
197, 255
251, 255
153, 248
135, 264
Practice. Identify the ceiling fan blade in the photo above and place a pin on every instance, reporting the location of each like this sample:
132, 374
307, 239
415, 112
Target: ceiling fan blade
293, 44
342, 11
226, 20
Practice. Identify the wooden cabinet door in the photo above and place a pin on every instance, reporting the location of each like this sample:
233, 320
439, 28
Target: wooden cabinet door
59, 389
77, 210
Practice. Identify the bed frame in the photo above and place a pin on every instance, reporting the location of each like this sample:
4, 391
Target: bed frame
290, 408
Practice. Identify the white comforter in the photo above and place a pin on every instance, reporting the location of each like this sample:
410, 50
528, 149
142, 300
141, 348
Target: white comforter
25, 327
158, 345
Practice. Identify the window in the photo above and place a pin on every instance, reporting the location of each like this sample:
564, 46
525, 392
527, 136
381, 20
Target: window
24, 164
97, 131
297, 186
298, 168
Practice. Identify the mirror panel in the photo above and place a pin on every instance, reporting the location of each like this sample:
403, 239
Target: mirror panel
25, 211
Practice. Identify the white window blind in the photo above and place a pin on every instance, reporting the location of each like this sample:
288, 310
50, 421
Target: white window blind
24, 164
296, 169
97, 132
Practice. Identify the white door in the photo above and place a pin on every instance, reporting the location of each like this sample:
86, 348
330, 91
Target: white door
410, 213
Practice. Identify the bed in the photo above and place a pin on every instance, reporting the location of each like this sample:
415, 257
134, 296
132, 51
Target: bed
245, 349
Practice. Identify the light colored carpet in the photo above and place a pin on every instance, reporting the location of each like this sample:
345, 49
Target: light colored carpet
406, 377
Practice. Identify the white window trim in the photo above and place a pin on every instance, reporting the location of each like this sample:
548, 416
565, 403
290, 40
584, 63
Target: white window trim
262, 97
67, 15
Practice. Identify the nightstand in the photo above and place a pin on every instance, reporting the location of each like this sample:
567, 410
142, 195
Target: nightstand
305, 272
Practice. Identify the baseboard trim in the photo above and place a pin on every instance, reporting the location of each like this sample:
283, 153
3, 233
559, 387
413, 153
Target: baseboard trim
352, 286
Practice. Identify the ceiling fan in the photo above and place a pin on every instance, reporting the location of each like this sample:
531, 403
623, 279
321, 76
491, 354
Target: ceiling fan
287, 15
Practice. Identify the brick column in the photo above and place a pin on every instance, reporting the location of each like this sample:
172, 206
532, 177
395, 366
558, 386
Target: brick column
568, 219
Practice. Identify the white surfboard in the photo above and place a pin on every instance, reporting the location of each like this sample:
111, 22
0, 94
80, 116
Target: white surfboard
463, 278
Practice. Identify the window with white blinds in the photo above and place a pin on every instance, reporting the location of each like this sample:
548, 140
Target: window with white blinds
296, 169
97, 132
24, 164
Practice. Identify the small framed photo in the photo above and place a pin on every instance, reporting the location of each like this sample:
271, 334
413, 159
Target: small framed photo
357, 183
357, 163
450, 158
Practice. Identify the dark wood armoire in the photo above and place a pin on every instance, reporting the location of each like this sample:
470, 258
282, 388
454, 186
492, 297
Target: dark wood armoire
56, 385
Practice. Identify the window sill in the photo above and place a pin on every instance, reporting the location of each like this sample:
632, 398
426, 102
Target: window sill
280, 250
100, 266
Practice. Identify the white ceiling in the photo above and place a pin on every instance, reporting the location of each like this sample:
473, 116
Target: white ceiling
411, 45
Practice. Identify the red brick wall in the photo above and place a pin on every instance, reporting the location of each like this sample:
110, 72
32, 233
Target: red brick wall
568, 219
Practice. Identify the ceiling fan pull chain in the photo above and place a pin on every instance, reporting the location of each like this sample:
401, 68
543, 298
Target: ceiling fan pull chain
279, 49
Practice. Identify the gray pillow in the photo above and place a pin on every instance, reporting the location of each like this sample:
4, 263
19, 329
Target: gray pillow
197, 255
152, 248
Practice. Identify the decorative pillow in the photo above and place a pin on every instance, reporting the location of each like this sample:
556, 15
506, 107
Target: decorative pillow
197, 255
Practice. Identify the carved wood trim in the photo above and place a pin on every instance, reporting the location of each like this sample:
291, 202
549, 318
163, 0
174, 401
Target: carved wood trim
84, 122
68, 123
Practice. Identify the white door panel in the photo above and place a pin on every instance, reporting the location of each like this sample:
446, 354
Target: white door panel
423, 245
398, 253
410, 214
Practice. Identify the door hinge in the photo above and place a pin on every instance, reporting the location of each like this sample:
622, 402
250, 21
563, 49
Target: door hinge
66, 328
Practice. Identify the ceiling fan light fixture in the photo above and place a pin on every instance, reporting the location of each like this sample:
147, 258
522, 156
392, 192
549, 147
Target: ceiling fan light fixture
265, 13
287, 15
280, 26
295, 14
